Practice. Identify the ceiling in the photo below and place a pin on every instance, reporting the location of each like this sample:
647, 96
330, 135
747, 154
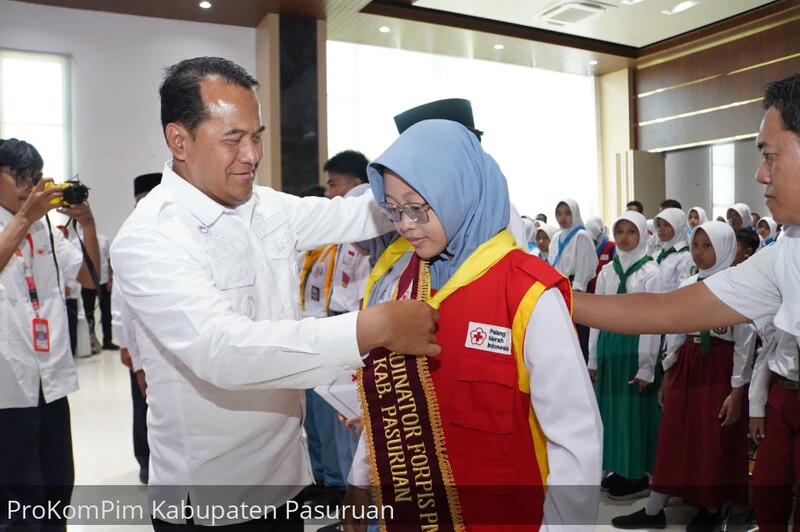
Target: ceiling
613, 38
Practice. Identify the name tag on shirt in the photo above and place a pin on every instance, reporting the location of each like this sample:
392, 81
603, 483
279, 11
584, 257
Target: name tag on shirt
315, 293
41, 335
491, 338
603, 257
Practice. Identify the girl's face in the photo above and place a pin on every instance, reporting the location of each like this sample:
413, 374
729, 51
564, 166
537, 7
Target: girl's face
664, 230
703, 252
694, 219
428, 238
564, 216
763, 229
542, 241
626, 235
734, 219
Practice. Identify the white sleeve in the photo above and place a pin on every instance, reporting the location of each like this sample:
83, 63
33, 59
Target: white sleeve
179, 305
751, 288
759, 384
674, 342
359, 471
594, 334
744, 337
564, 402
122, 325
70, 259
585, 262
318, 221
649, 344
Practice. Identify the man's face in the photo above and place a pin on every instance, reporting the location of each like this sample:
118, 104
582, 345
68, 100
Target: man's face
340, 184
222, 158
780, 168
11, 196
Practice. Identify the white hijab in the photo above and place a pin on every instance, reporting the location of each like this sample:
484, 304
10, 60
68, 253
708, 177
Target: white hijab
596, 228
530, 229
744, 211
576, 214
677, 219
541, 226
629, 258
723, 238
773, 226
701, 213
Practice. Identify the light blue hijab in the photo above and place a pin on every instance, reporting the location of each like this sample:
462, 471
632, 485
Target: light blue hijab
445, 163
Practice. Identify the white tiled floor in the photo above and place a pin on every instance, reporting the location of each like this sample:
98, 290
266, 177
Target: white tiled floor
101, 432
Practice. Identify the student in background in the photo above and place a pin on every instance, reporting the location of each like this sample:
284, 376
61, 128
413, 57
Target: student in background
696, 216
674, 258
604, 247
624, 369
755, 218
739, 217
767, 229
635, 206
747, 243
544, 235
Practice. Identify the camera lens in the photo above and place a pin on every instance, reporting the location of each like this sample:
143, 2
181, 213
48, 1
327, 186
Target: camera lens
75, 194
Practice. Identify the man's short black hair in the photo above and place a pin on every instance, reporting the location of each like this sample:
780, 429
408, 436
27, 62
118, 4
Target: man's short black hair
312, 191
543, 215
670, 204
784, 95
748, 238
636, 203
349, 162
181, 101
20, 157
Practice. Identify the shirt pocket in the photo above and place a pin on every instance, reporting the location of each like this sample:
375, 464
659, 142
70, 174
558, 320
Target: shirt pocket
234, 273
484, 393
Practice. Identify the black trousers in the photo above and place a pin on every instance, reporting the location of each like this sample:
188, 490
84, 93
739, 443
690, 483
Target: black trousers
89, 296
278, 523
36, 465
140, 447
72, 322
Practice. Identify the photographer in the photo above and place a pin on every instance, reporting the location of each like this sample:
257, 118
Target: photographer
36, 367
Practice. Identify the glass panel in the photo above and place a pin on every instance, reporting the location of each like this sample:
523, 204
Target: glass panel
33, 91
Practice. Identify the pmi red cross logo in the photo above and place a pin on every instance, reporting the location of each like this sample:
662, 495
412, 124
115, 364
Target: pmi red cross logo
477, 336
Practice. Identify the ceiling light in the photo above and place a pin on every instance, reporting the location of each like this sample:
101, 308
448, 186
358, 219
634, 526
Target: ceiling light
683, 6
498, 46
592, 62
384, 29
205, 5
630, 2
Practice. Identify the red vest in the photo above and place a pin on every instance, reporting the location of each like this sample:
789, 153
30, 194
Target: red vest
496, 449
604, 256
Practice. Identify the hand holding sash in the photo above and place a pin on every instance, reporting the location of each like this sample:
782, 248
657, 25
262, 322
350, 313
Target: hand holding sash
399, 326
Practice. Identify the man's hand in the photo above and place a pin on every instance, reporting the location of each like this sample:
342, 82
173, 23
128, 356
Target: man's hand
401, 326
125, 358
141, 378
357, 501
758, 429
38, 202
80, 212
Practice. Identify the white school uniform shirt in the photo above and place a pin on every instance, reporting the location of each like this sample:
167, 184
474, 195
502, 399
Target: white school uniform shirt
645, 279
742, 336
213, 297
778, 355
349, 279
578, 260
675, 268
315, 285
564, 401
21, 367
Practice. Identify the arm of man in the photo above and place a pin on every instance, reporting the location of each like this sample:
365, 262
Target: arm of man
180, 306
37, 205
564, 403
83, 215
748, 292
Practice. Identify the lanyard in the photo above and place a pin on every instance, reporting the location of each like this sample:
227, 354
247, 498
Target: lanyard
29, 276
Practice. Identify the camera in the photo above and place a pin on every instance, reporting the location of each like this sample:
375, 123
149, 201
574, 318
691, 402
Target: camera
75, 193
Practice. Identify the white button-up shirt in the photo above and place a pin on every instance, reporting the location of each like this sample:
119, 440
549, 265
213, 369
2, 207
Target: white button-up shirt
21, 367
778, 355
213, 297
349, 279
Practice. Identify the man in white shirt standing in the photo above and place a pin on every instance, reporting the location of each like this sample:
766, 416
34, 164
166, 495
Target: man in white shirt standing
764, 288
37, 371
206, 268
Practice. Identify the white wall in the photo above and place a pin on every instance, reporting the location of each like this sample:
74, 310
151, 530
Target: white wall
748, 190
117, 64
688, 178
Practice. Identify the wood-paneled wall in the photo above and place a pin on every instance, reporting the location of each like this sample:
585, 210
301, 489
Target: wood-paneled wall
714, 93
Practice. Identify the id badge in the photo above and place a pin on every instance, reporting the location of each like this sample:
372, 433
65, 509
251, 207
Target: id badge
41, 335
315, 293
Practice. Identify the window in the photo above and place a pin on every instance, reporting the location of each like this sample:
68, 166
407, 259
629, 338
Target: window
34, 106
723, 178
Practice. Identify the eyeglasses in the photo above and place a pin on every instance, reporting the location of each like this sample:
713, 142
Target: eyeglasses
418, 212
24, 181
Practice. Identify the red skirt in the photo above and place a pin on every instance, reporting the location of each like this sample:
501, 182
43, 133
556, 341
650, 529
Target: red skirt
697, 459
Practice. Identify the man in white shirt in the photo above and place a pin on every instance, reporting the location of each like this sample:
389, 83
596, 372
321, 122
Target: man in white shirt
207, 272
36, 366
764, 288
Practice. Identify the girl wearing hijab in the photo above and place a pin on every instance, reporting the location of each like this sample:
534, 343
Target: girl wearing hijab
739, 217
623, 367
673, 258
544, 235
697, 216
604, 247
702, 444
476, 434
767, 229
573, 251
